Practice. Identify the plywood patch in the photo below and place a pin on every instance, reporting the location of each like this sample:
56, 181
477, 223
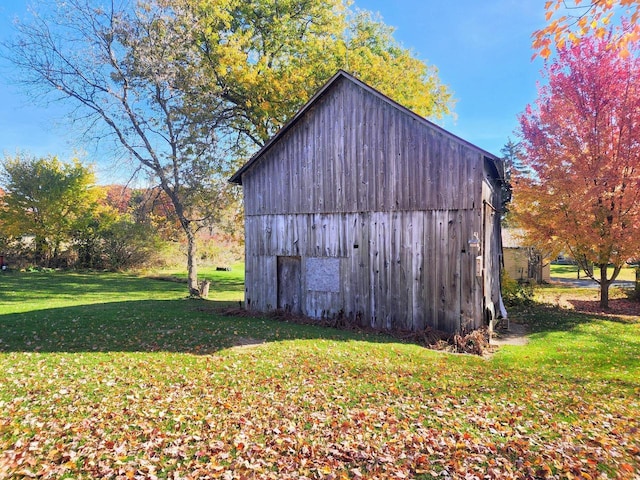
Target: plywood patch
323, 274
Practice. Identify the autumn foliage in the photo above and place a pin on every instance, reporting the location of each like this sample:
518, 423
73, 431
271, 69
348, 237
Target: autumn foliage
582, 141
570, 21
149, 385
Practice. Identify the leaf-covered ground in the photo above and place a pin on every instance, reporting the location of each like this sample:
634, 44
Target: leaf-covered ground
587, 300
159, 387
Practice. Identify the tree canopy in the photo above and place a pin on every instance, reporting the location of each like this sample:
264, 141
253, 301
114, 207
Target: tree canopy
44, 199
268, 58
581, 140
187, 88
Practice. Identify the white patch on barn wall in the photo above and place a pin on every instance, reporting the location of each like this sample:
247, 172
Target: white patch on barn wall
323, 274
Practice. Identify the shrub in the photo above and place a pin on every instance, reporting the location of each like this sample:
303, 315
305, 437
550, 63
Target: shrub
515, 293
129, 245
219, 251
114, 242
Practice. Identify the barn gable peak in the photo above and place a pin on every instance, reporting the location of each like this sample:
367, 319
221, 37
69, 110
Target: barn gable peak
326, 89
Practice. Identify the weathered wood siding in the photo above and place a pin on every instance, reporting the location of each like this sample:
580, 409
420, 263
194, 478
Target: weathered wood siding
354, 152
491, 246
404, 270
379, 206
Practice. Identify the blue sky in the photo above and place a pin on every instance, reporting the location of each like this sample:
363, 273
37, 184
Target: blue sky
481, 48
483, 52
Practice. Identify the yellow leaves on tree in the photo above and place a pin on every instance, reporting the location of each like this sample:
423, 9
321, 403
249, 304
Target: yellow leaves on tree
585, 18
45, 198
272, 57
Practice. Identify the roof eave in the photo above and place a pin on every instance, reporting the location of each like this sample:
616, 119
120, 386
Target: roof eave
237, 177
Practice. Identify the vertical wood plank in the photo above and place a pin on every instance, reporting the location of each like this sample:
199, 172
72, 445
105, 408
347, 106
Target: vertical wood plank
357, 171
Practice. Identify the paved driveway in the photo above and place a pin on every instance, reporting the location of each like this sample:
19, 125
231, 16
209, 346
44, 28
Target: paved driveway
588, 283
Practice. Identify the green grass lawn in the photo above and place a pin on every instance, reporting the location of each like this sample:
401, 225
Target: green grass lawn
114, 376
571, 271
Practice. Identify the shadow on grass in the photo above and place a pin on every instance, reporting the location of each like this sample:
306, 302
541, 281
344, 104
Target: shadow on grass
229, 283
544, 318
582, 347
181, 326
564, 269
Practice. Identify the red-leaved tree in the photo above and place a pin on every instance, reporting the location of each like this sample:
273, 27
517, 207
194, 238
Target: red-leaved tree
582, 141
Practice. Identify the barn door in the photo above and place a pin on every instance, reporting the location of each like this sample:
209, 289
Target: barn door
289, 284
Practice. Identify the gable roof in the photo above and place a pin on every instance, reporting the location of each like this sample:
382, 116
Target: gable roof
341, 74
513, 238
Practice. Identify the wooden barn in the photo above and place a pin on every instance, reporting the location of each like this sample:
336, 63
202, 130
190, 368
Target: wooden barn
360, 208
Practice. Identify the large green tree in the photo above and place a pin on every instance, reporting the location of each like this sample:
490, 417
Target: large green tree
186, 86
267, 58
44, 199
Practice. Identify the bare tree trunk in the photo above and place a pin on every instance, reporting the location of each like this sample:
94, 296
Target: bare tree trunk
192, 267
604, 286
41, 252
606, 283
190, 232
